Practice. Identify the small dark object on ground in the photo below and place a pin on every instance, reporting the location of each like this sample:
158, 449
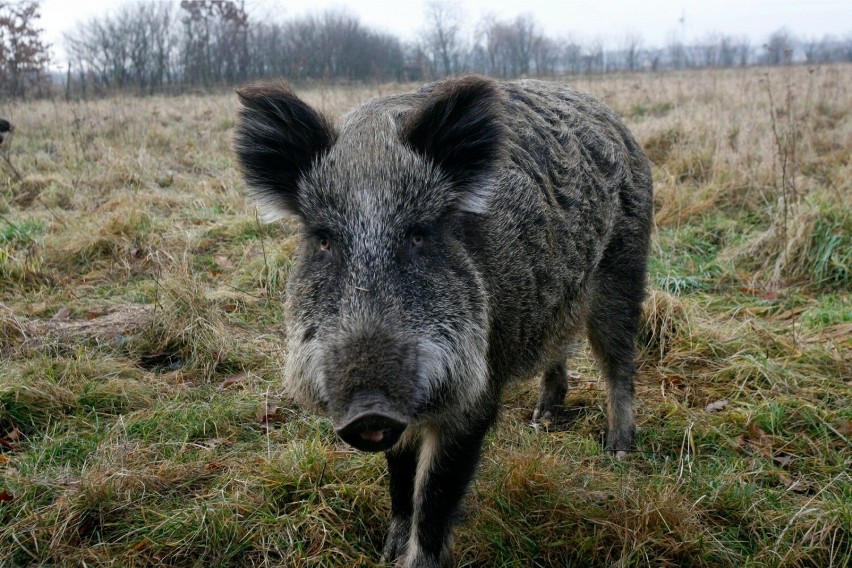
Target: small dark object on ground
6, 128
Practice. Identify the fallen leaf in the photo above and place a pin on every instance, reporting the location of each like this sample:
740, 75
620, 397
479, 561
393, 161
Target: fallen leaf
765, 294
15, 435
96, 313
231, 381
792, 312
62, 314
267, 413
597, 496
717, 406
6, 496
674, 379
783, 459
795, 485
756, 440
844, 427
228, 308
3, 459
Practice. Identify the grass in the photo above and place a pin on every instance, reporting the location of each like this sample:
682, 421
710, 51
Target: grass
141, 318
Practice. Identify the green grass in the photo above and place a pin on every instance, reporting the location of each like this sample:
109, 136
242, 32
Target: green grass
139, 443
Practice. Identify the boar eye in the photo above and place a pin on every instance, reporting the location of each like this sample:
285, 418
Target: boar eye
416, 239
324, 243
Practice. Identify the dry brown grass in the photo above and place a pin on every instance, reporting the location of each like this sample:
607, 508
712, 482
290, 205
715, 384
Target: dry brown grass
141, 314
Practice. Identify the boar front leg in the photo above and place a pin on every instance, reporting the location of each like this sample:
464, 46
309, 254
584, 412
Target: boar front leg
402, 469
446, 463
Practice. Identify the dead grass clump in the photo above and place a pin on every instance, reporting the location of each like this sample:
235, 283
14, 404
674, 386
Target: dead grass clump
30, 188
110, 239
666, 324
12, 329
191, 332
678, 203
813, 245
695, 166
659, 145
650, 109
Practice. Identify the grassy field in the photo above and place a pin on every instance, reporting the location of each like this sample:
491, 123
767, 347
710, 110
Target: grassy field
141, 421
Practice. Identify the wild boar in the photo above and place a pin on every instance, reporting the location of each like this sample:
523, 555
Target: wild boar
452, 240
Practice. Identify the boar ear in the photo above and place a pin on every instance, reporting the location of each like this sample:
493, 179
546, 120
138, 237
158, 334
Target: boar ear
461, 128
278, 138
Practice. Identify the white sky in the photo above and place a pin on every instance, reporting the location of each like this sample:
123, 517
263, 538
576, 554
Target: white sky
609, 20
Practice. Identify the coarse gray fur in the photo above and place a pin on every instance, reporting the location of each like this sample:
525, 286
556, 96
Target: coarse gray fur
453, 240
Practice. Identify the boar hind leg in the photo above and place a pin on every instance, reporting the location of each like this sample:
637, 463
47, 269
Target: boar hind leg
445, 467
554, 387
613, 322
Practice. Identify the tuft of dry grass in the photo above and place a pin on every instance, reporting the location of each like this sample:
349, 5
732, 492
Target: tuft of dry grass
141, 318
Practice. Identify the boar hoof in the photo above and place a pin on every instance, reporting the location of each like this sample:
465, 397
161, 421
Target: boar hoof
396, 542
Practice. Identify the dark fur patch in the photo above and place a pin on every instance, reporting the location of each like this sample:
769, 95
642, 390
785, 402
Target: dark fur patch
278, 137
460, 127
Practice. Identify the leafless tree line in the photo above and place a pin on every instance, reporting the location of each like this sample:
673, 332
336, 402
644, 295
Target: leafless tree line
519, 47
155, 46
151, 46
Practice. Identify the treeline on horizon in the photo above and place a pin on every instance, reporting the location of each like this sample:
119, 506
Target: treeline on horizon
150, 47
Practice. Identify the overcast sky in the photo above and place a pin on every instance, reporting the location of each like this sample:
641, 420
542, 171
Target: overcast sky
609, 20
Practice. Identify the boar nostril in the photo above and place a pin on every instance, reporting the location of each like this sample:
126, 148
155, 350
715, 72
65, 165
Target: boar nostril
372, 431
375, 436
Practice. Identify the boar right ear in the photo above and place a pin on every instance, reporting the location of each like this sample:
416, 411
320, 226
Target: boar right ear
461, 128
278, 137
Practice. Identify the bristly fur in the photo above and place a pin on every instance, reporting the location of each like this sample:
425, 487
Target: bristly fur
277, 140
453, 240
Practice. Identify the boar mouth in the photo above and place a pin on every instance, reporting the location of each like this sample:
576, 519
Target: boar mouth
371, 425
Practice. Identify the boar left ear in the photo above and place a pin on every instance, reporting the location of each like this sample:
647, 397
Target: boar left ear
278, 138
461, 128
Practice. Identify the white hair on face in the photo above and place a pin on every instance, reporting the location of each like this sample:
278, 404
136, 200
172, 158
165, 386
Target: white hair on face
270, 210
463, 363
476, 199
303, 376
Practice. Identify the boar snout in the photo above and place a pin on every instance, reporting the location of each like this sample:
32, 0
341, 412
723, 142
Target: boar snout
371, 425
371, 381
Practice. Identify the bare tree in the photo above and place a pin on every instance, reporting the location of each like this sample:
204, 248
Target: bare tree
595, 58
677, 53
632, 46
523, 38
515, 47
545, 54
572, 57
442, 35
215, 47
23, 54
779, 47
135, 47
